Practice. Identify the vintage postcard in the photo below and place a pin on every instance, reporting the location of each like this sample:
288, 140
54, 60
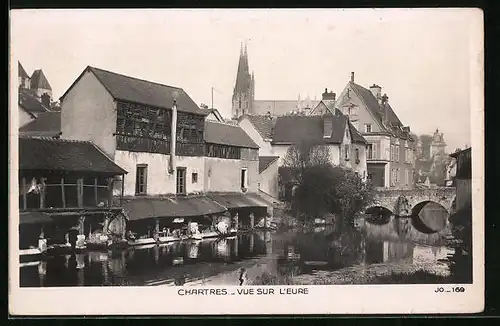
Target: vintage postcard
246, 161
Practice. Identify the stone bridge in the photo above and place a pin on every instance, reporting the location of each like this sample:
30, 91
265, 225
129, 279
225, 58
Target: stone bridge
409, 202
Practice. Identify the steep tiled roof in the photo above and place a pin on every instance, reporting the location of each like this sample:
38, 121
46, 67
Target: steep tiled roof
372, 104
263, 123
38, 80
227, 134
265, 161
29, 102
356, 136
295, 129
64, 155
20, 71
47, 124
136, 90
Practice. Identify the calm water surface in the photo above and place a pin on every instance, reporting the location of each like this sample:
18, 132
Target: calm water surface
218, 261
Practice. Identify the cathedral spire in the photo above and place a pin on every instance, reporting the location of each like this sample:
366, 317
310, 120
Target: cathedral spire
243, 93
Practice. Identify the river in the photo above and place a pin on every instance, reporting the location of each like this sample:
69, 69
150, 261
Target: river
301, 255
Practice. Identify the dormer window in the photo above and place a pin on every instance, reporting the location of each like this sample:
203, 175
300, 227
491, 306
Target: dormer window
368, 127
327, 128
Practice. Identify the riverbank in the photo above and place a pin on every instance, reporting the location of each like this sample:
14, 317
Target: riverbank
376, 274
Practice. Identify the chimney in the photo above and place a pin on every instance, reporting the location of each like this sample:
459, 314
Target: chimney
173, 135
352, 77
327, 126
385, 107
46, 100
376, 90
328, 96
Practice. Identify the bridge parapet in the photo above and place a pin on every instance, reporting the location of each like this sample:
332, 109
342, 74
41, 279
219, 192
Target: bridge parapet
406, 202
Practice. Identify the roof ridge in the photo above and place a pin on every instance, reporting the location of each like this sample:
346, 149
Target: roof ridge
61, 140
136, 78
224, 123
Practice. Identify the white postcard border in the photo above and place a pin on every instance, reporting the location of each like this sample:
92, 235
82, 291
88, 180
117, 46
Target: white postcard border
331, 299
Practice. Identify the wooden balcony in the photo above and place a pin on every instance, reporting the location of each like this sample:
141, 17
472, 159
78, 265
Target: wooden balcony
134, 143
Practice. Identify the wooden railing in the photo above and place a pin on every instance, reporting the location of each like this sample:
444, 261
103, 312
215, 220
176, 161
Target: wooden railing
134, 143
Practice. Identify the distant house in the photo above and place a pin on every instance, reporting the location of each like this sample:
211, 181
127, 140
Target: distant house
347, 146
463, 178
390, 153
35, 95
275, 135
326, 105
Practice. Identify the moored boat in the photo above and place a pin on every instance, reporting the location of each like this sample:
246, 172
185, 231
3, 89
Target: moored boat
169, 238
30, 252
140, 242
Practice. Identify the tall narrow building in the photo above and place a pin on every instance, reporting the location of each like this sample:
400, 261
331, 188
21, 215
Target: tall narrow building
243, 94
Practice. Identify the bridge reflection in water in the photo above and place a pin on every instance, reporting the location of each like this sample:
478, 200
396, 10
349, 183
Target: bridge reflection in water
219, 261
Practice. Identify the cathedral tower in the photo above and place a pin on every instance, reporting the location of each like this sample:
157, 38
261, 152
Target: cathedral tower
243, 94
438, 145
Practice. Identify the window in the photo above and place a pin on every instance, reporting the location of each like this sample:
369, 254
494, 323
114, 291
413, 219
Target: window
369, 149
346, 150
141, 178
181, 181
194, 177
346, 133
357, 155
392, 153
368, 127
396, 148
244, 179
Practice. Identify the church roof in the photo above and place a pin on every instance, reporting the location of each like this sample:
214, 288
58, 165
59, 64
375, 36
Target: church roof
39, 81
243, 77
280, 107
20, 71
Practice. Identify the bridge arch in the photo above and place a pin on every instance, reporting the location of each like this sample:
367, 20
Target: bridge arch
378, 215
429, 223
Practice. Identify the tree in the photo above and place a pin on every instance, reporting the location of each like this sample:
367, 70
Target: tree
330, 189
305, 154
297, 158
426, 141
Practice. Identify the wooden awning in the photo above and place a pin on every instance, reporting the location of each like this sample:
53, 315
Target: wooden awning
34, 218
170, 207
236, 200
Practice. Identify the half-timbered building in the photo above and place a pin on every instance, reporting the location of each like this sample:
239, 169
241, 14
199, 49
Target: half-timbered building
173, 153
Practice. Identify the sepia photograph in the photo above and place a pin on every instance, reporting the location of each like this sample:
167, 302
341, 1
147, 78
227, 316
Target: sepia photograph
246, 157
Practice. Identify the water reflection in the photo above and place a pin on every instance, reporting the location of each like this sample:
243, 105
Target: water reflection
287, 253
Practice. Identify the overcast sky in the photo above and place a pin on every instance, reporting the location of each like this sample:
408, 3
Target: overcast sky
420, 58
